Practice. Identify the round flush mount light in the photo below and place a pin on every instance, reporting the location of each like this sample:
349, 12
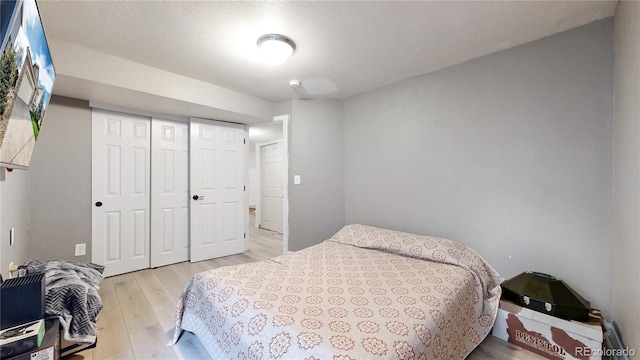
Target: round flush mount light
276, 48
294, 83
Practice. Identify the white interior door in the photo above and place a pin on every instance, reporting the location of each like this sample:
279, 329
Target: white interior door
120, 191
272, 190
169, 192
217, 189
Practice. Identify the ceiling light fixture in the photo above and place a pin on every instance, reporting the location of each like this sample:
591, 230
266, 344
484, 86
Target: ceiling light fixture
294, 83
276, 48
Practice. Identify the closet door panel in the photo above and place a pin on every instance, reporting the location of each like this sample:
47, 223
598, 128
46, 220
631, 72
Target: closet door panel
217, 189
170, 192
120, 191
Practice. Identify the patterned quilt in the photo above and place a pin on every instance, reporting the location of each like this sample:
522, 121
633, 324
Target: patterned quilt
366, 293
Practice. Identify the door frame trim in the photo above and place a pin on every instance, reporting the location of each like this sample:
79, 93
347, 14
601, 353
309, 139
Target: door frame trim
286, 118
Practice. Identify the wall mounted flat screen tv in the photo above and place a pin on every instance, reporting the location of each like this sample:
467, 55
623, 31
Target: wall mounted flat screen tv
26, 80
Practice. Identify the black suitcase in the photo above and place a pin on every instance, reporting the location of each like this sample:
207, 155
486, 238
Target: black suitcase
546, 294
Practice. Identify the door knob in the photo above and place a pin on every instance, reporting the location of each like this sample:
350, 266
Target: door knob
195, 197
99, 203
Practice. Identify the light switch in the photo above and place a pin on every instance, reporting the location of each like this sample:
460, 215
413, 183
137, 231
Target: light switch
296, 179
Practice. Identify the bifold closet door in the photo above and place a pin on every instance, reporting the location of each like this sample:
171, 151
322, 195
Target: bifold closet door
120, 191
169, 192
218, 204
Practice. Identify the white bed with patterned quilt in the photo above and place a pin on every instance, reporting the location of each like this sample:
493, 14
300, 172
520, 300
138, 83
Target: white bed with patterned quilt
366, 293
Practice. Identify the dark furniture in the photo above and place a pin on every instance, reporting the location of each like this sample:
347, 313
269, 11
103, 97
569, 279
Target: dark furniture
50, 347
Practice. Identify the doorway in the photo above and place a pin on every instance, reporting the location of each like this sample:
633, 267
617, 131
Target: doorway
270, 161
268, 174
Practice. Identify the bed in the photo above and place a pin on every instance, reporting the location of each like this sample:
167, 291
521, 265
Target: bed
366, 293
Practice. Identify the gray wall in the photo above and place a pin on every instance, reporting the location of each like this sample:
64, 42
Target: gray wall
626, 132
509, 153
49, 205
316, 206
60, 191
60, 205
14, 213
282, 107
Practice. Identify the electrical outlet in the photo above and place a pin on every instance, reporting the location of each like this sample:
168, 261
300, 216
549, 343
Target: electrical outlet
12, 267
81, 249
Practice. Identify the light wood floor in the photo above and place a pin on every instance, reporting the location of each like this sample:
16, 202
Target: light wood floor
139, 308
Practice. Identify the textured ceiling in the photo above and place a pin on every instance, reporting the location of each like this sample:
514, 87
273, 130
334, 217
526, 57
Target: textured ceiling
343, 48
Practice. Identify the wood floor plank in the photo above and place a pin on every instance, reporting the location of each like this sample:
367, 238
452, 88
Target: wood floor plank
150, 343
214, 263
135, 308
83, 355
228, 260
112, 339
127, 354
107, 285
157, 295
198, 267
167, 319
173, 281
112, 332
184, 269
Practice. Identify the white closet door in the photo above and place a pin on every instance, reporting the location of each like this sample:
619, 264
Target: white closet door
169, 192
217, 189
272, 191
120, 191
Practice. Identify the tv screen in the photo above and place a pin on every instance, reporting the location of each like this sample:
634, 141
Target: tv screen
26, 80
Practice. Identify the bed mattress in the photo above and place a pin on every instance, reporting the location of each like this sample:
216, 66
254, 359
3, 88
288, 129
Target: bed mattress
366, 293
